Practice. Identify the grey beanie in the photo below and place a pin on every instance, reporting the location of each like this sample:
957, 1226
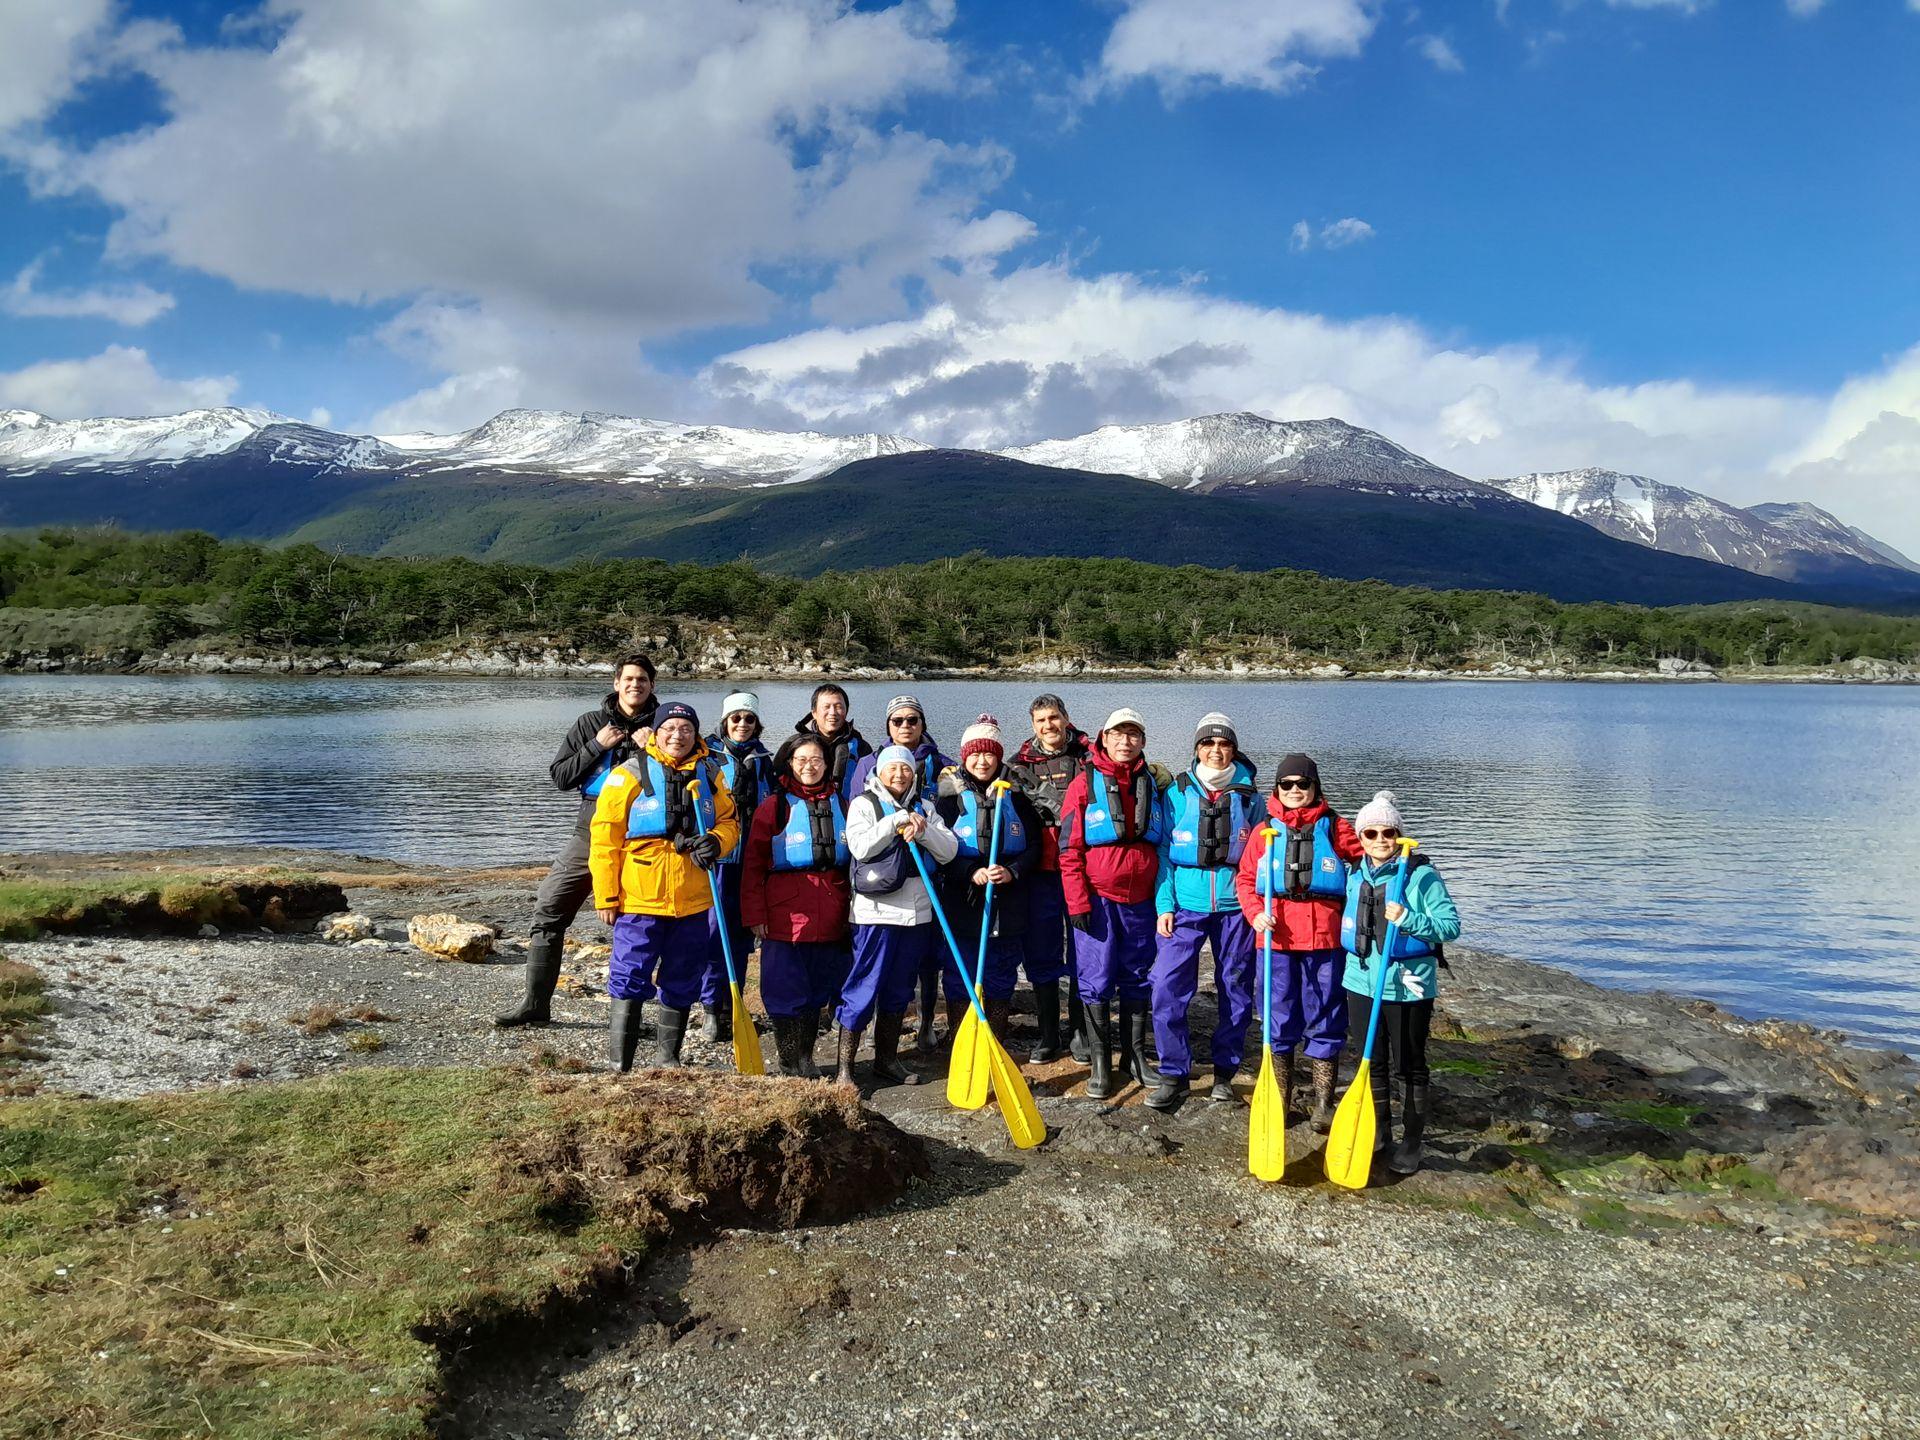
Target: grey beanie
1215, 726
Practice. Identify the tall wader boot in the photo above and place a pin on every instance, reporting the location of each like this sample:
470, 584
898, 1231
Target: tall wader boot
999, 1017
719, 1022
543, 973
848, 1047
669, 1031
1222, 1090
887, 1069
1077, 1023
786, 1041
923, 1033
1133, 1037
1046, 1010
1381, 1084
809, 1038
1406, 1156
1097, 1032
623, 1032
1283, 1081
1326, 1073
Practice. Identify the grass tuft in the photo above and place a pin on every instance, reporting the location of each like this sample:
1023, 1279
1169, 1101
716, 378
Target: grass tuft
160, 903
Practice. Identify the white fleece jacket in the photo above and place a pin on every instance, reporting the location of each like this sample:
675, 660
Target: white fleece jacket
872, 821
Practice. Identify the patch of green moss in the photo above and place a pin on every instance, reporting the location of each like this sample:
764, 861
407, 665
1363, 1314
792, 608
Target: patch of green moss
1462, 1066
1661, 1115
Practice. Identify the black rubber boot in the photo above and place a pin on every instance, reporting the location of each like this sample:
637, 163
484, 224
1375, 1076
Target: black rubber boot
923, 1032
1076, 1023
1133, 1037
1382, 1088
956, 1012
1097, 1033
669, 1032
1326, 1074
786, 1042
1222, 1090
999, 1017
1168, 1094
719, 1022
848, 1047
887, 1069
1406, 1156
623, 1032
1046, 1009
809, 1038
543, 973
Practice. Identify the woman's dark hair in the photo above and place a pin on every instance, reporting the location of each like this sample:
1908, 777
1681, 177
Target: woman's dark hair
783, 757
828, 688
644, 662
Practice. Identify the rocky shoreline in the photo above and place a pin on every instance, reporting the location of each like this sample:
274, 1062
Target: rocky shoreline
1641, 1215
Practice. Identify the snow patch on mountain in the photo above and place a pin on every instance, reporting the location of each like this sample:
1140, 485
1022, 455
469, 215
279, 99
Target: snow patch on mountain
32, 441
1815, 528
1213, 451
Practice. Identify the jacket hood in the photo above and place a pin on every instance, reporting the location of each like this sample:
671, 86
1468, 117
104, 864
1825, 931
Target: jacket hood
610, 707
1077, 746
1107, 765
1297, 819
887, 798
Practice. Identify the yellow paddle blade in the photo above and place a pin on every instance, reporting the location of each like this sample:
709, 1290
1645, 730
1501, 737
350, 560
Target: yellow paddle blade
967, 1077
1267, 1130
747, 1056
1024, 1126
1349, 1155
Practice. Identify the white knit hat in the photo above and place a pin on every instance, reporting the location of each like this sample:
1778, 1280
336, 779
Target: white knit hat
983, 734
1379, 813
740, 700
1126, 715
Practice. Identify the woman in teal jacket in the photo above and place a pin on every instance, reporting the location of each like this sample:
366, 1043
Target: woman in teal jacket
1386, 889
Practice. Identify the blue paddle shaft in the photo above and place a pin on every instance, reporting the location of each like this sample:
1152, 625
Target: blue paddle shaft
1386, 964
953, 945
986, 912
719, 910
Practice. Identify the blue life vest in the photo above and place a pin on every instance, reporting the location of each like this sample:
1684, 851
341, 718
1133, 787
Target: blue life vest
597, 781
1364, 924
813, 836
1301, 863
1207, 834
745, 783
660, 809
973, 828
1099, 825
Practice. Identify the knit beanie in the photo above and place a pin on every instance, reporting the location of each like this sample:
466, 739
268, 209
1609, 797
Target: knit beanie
740, 700
905, 702
1382, 812
1301, 765
983, 734
1215, 726
894, 755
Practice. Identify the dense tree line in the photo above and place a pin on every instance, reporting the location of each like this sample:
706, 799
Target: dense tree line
967, 610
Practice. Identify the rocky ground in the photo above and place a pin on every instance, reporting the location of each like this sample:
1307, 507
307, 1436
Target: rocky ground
1641, 1216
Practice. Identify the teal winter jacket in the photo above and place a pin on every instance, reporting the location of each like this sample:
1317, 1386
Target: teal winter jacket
1430, 916
1202, 890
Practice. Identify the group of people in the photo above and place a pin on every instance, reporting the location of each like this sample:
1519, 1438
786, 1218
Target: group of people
849, 865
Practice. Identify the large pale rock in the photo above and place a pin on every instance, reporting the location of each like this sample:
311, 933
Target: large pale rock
344, 929
448, 937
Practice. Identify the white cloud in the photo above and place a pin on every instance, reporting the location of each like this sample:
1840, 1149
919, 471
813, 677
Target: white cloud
1335, 235
1261, 44
120, 380
320, 416
629, 171
1805, 8
1438, 50
133, 305
46, 50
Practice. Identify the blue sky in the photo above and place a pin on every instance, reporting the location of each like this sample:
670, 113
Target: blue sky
1669, 236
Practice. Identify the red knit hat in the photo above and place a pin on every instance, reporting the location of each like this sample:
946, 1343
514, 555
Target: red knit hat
983, 734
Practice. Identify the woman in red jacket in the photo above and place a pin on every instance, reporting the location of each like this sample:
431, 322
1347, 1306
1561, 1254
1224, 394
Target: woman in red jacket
794, 895
1111, 821
1304, 869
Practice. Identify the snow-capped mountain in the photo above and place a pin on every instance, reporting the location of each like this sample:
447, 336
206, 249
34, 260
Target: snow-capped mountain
1814, 527
31, 440
1685, 522
616, 447
1213, 451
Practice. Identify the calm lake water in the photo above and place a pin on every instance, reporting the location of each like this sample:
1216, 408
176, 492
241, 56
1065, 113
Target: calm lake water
1753, 844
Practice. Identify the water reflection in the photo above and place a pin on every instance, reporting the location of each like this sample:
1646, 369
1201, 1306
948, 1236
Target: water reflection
1715, 840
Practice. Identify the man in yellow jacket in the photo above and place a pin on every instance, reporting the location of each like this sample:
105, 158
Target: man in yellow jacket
663, 819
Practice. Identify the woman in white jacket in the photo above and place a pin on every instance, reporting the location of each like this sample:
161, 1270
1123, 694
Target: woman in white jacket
894, 931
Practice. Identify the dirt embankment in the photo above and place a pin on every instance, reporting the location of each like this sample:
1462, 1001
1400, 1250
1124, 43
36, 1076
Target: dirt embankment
1640, 1216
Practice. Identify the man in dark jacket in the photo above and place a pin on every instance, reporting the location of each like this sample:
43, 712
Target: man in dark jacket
598, 742
829, 717
1043, 768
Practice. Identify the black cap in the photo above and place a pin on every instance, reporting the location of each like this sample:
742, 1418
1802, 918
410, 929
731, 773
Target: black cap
1301, 765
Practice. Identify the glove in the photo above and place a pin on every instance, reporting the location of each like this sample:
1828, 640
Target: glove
1082, 923
703, 850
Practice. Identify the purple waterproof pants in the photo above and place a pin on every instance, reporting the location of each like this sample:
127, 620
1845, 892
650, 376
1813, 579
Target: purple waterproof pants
1115, 952
797, 978
1176, 977
713, 981
664, 948
886, 964
1308, 1000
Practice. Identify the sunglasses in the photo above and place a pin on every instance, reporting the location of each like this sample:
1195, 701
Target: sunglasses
903, 720
1379, 834
1293, 782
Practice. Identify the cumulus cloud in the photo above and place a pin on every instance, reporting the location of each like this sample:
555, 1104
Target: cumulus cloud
1335, 235
133, 305
48, 48
1261, 44
120, 380
639, 170
1439, 51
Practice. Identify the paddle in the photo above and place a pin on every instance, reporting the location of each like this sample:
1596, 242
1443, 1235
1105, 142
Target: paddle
748, 1058
1024, 1126
1267, 1127
968, 1074
1349, 1154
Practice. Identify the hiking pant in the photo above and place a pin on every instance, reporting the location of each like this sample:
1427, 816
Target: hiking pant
568, 885
713, 981
1115, 953
1043, 949
1307, 1000
799, 977
1176, 979
1400, 1044
887, 960
658, 955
